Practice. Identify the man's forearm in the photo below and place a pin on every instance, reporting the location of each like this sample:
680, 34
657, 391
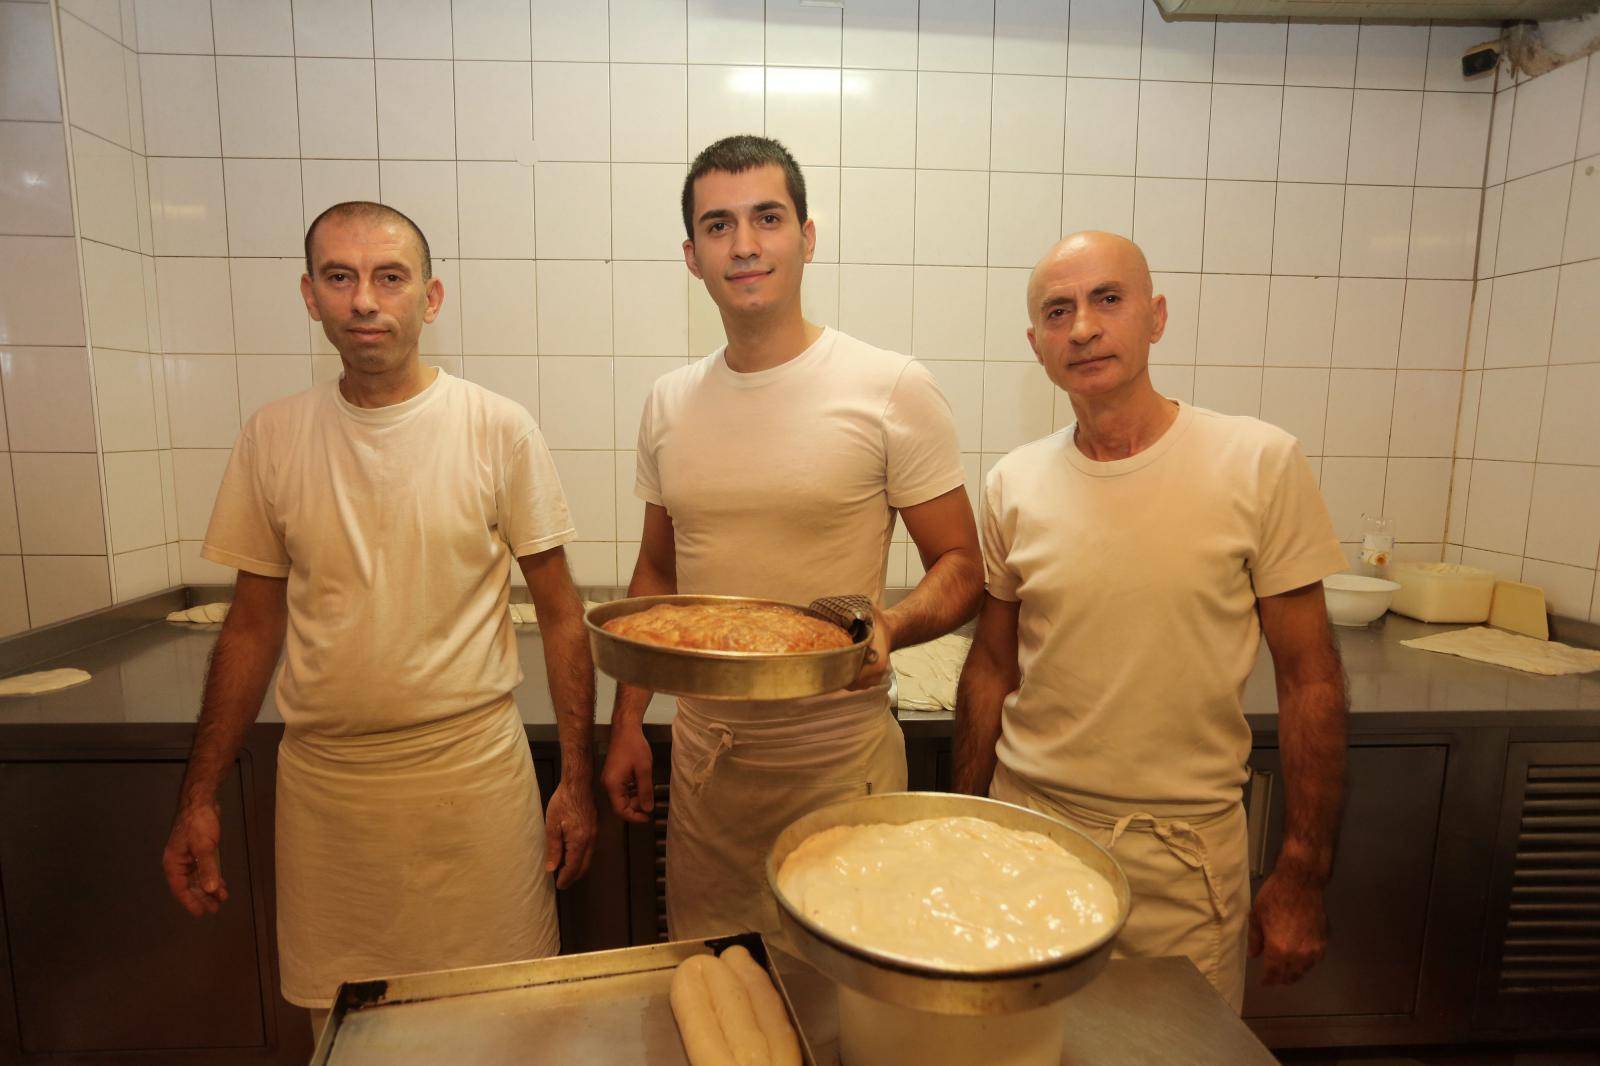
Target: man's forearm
571, 676
632, 701
236, 681
947, 596
980, 696
1311, 739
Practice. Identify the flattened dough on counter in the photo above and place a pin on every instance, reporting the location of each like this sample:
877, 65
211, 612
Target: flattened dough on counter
1485, 645
926, 674
205, 612
42, 681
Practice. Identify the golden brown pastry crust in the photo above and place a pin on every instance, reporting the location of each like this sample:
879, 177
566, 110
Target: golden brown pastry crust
756, 627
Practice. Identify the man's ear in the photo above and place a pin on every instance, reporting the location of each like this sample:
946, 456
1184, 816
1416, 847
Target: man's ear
808, 230
305, 294
435, 299
1158, 318
688, 259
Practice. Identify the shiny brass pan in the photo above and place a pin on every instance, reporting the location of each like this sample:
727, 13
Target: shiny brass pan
722, 675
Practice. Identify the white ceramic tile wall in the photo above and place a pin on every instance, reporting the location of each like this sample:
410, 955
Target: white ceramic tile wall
1526, 494
1319, 273
53, 560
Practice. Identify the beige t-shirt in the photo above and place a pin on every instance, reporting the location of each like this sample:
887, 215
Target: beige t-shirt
1138, 581
784, 483
396, 527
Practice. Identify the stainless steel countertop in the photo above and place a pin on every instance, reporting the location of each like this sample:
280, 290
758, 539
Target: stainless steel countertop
154, 674
1112, 1020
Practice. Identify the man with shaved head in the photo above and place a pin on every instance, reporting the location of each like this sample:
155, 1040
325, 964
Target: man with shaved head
372, 521
1135, 560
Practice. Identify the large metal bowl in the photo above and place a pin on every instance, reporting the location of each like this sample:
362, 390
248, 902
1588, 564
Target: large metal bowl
717, 675
944, 989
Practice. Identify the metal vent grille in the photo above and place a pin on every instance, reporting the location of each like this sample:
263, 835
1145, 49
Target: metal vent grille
658, 831
1552, 935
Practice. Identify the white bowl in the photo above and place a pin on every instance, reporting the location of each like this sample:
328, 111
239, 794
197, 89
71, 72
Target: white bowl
1354, 600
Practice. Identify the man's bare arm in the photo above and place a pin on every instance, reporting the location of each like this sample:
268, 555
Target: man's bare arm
242, 662
1288, 922
989, 676
627, 777
566, 657
952, 587
569, 816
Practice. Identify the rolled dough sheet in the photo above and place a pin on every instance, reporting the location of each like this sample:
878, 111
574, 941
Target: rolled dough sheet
42, 681
1485, 645
205, 612
926, 674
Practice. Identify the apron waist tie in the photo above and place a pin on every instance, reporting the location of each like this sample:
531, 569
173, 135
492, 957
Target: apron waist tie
1187, 845
708, 762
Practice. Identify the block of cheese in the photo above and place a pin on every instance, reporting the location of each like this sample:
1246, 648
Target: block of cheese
1519, 608
1441, 592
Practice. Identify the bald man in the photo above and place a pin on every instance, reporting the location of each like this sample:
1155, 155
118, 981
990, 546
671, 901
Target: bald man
1134, 560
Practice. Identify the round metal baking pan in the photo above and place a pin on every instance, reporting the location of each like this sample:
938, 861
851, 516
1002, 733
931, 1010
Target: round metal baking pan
717, 675
918, 985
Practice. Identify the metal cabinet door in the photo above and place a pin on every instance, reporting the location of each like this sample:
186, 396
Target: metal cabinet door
1377, 901
102, 958
1541, 963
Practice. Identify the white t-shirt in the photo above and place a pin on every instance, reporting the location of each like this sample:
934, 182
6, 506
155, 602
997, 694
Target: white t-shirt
396, 527
1138, 581
784, 483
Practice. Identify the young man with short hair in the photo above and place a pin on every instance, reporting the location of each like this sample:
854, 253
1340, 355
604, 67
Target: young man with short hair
774, 468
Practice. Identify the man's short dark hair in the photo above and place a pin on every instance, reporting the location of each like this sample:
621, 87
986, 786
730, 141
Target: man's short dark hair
368, 211
736, 154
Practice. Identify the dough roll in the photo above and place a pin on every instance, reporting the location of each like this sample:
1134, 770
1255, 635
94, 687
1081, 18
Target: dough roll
715, 1018
782, 1046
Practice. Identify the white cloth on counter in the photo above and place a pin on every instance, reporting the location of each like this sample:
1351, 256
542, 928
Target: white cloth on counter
926, 674
1499, 648
41, 681
205, 612
523, 614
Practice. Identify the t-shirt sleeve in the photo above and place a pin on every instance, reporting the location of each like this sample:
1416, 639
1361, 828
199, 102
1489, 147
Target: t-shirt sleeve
924, 458
533, 508
647, 474
243, 533
1296, 545
1001, 577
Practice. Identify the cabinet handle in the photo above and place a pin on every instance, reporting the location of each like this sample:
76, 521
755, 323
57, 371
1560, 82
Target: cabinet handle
1256, 814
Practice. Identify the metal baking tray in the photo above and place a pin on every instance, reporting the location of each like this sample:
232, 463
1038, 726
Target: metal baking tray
601, 1007
726, 675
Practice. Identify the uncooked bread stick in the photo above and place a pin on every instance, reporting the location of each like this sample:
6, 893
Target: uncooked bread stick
690, 996
782, 1047
735, 1015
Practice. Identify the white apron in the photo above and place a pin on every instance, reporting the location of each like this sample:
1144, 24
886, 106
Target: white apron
409, 851
739, 780
1190, 880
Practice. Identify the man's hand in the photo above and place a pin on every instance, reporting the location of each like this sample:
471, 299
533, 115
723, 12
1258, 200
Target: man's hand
626, 775
568, 834
191, 863
1288, 927
876, 663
